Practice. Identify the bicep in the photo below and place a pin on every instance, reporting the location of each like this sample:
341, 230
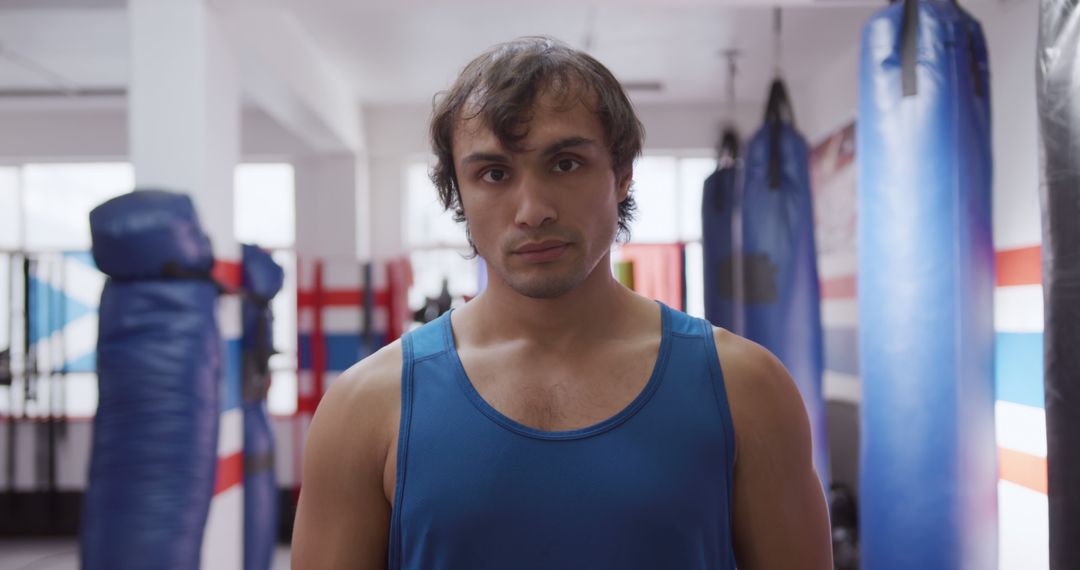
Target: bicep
780, 515
343, 518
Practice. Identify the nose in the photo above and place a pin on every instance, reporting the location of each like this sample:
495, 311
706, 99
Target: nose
535, 206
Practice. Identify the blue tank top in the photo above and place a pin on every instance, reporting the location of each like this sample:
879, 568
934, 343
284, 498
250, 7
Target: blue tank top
648, 488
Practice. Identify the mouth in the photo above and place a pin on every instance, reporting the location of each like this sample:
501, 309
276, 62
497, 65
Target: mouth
539, 252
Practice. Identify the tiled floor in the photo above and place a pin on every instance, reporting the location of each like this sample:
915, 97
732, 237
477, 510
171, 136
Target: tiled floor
63, 554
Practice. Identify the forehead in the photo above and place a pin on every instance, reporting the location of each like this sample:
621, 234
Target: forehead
551, 118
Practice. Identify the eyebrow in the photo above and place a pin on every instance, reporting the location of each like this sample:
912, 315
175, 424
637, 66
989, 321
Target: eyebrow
569, 142
484, 157
554, 148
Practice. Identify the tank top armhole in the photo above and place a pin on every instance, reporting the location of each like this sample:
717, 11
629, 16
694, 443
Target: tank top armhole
394, 557
717, 374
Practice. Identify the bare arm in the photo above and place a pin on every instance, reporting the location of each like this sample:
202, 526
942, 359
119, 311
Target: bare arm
343, 518
780, 515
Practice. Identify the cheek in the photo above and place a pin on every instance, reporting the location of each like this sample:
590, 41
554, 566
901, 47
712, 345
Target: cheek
479, 215
602, 206
472, 204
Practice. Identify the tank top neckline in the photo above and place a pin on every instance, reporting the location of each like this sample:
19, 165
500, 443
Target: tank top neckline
603, 426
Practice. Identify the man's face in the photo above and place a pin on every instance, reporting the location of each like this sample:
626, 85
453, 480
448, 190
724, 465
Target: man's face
542, 218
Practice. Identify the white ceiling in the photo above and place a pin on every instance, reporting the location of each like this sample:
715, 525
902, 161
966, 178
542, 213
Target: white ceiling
404, 52
87, 47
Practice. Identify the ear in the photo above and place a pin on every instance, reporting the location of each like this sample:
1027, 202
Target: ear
622, 191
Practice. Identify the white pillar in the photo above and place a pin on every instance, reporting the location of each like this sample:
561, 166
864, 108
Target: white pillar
389, 194
184, 110
365, 218
329, 190
183, 122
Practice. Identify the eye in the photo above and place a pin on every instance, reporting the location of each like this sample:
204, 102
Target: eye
493, 175
566, 165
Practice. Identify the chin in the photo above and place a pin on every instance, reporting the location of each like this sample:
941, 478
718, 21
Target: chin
543, 289
544, 281
545, 284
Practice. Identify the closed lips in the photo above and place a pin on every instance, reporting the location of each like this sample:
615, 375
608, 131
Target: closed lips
542, 246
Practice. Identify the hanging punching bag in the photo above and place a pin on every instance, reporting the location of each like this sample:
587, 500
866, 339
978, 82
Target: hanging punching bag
719, 204
154, 451
1059, 119
926, 279
779, 260
262, 278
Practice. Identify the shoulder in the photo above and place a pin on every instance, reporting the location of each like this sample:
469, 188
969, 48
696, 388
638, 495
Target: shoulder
766, 407
749, 367
377, 375
362, 404
780, 518
372, 382
343, 515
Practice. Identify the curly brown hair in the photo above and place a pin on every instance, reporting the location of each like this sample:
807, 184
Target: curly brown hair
501, 87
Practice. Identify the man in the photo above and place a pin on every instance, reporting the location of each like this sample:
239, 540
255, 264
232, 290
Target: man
558, 420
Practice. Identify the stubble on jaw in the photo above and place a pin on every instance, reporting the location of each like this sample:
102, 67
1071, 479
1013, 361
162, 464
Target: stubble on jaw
555, 283
545, 288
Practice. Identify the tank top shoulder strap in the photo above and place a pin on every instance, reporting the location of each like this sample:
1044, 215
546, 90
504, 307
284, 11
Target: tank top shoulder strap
430, 339
684, 325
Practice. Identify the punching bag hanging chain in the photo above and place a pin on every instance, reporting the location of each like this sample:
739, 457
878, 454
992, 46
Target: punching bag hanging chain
728, 149
909, 47
732, 69
778, 46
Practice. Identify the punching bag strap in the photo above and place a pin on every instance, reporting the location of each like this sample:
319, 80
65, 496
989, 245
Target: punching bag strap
778, 109
263, 348
777, 112
909, 47
172, 270
729, 144
6, 376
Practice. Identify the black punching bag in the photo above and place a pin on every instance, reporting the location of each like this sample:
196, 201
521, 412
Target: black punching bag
1058, 69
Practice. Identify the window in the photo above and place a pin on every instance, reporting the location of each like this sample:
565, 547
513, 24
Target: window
264, 211
667, 189
656, 193
10, 208
427, 225
57, 199
44, 216
438, 246
10, 224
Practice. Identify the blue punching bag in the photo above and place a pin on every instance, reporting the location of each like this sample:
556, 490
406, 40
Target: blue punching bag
155, 437
719, 208
261, 280
781, 291
926, 279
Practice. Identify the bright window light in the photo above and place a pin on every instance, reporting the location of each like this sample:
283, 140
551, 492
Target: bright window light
264, 210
